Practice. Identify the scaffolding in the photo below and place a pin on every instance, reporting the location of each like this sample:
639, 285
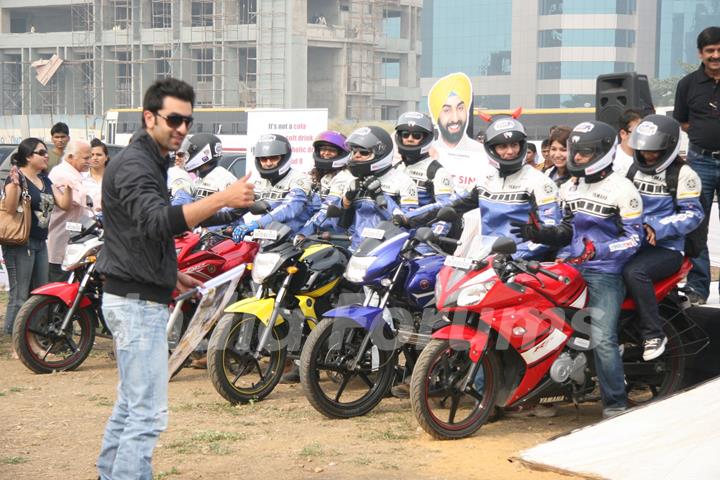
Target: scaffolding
12, 93
271, 53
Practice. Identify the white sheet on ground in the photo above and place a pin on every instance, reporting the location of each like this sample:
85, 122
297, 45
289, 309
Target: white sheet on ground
670, 439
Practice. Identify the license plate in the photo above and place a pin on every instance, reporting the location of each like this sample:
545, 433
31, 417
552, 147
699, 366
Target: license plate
375, 233
262, 234
73, 227
458, 262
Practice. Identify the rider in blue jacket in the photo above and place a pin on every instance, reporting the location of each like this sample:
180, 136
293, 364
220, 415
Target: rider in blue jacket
378, 191
602, 225
667, 217
510, 190
286, 190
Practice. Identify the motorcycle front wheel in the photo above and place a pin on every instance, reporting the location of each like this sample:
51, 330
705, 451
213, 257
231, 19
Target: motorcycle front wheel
331, 384
40, 344
235, 371
441, 405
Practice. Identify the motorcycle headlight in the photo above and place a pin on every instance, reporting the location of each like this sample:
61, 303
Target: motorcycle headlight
76, 254
474, 294
357, 268
264, 265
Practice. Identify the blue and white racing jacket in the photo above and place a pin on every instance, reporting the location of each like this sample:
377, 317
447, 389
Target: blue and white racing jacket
400, 193
503, 200
671, 219
288, 199
607, 212
434, 182
330, 192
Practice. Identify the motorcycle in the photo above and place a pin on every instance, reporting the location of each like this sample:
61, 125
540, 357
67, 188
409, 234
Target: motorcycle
296, 280
517, 333
360, 345
56, 327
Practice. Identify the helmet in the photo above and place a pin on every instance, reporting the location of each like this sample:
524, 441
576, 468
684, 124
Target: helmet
269, 146
331, 138
502, 131
655, 133
378, 142
202, 148
414, 122
592, 138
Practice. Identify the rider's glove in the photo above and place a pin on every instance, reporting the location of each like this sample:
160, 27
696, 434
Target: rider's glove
526, 231
352, 190
587, 254
400, 220
242, 230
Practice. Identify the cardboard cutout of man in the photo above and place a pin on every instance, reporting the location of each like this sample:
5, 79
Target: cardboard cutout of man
449, 102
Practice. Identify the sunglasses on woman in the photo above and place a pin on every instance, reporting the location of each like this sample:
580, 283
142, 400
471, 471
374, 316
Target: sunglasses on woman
42, 153
415, 135
361, 152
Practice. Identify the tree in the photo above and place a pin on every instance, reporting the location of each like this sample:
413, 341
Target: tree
663, 89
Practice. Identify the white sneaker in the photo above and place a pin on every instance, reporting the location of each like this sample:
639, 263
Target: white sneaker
653, 348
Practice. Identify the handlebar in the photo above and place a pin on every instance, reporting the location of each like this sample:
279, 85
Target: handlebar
451, 241
534, 266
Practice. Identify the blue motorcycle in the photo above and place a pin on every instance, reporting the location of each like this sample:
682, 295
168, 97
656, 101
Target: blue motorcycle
358, 346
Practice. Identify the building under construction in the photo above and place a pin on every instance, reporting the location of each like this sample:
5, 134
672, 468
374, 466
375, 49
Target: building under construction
357, 58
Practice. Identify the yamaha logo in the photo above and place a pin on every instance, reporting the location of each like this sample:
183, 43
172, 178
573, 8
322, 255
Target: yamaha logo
647, 128
267, 138
584, 127
504, 124
507, 134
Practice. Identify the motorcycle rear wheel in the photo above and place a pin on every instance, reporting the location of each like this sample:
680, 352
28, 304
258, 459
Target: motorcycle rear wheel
648, 381
235, 373
328, 349
44, 351
436, 396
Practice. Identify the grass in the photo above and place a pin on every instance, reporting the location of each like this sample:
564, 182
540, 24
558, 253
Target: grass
12, 460
207, 442
312, 450
101, 400
161, 475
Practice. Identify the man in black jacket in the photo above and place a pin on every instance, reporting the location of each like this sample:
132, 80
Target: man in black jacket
697, 108
139, 263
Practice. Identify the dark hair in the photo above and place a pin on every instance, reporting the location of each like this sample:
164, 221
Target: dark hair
96, 142
60, 127
709, 36
545, 144
167, 87
560, 134
532, 147
628, 116
25, 150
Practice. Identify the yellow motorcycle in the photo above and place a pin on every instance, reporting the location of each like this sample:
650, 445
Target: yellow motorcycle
297, 280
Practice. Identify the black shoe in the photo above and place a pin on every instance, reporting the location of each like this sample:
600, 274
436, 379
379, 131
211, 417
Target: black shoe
401, 390
293, 376
695, 298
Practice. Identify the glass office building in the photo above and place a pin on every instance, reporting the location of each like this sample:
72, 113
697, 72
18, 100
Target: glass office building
548, 53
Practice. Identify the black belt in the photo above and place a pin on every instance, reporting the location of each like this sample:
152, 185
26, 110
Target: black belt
706, 153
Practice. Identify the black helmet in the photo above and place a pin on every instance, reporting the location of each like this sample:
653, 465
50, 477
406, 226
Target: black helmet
333, 139
376, 141
655, 133
271, 145
592, 138
201, 148
501, 131
414, 122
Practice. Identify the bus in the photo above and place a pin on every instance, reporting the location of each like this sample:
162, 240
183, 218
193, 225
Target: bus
229, 124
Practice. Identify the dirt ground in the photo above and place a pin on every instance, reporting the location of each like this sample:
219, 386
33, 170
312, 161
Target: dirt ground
52, 427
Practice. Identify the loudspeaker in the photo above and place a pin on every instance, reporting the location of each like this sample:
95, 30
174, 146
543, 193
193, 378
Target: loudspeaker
617, 92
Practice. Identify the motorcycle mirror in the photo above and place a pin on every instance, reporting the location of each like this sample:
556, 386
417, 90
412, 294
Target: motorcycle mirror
333, 211
504, 245
260, 207
447, 214
425, 234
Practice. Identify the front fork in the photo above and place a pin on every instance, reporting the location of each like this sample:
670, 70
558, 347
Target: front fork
78, 298
273, 316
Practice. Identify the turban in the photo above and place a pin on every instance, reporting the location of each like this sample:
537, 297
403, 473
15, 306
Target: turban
455, 84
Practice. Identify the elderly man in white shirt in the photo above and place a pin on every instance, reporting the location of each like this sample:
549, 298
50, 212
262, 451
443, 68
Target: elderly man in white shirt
68, 172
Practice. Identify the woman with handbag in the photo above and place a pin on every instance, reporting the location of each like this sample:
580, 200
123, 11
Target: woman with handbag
28, 199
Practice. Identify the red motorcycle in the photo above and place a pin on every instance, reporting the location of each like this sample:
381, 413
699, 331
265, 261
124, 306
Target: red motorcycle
55, 329
516, 334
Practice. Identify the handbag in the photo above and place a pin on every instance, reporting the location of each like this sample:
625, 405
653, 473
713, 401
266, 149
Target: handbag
15, 225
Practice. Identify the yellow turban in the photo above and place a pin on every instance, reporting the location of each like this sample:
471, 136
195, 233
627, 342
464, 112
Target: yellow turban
456, 84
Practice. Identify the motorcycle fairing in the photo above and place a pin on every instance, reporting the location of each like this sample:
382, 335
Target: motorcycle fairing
365, 317
477, 339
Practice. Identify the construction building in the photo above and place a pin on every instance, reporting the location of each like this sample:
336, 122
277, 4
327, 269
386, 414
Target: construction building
359, 59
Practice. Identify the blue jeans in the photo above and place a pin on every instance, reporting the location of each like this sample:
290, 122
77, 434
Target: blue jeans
606, 293
27, 268
141, 409
709, 171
